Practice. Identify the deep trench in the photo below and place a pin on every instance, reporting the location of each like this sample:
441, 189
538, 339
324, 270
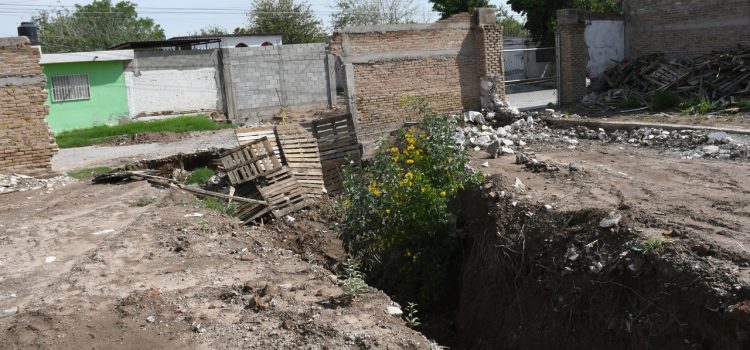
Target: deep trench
517, 286
513, 285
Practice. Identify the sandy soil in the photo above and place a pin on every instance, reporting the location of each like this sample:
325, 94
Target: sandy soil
707, 200
89, 269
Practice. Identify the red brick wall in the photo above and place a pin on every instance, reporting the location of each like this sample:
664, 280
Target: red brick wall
441, 63
685, 28
26, 143
449, 84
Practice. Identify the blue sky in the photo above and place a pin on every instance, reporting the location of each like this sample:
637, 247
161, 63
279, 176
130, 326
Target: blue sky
13, 12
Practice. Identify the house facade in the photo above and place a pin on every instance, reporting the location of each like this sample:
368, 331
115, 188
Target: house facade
85, 88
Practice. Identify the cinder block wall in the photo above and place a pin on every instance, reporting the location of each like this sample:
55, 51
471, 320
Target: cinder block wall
685, 28
260, 80
439, 62
26, 142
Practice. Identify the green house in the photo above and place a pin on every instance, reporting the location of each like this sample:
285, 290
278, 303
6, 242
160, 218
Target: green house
85, 88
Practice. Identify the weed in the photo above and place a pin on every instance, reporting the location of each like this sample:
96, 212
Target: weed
411, 315
353, 282
200, 176
203, 223
220, 205
103, 133
664, 99
697, 105
630, 102
89, 172
744, 104
652, 246
142, 201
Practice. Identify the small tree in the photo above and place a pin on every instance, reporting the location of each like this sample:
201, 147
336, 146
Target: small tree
511, 26
452, 7
372, 12
96, 26
295, 21
396, 209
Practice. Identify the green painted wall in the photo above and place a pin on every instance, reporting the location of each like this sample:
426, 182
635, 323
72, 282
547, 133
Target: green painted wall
108, 102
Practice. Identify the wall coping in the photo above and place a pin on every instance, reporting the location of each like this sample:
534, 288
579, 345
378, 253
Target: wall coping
13, 41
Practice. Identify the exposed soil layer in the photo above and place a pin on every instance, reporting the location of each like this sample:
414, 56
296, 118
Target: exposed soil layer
90, 268
541, 273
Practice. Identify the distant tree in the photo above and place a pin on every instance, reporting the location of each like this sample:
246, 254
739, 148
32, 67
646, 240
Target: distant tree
372, 12
96, 26
452, 7
211, 30
511, 26
295, 21
541, 15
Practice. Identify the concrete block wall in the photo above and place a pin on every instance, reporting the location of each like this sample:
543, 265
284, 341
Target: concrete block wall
685, 28
440, 62
26, 142
174, 82
259, 81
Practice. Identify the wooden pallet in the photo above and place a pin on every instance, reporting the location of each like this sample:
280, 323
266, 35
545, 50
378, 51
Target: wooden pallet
338, 145
283, 193
300, 150
247, 135
250, 161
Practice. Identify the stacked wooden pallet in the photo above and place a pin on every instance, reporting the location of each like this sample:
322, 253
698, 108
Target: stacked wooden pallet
283, 193
300, 151
247, 135
250, 161
338, 145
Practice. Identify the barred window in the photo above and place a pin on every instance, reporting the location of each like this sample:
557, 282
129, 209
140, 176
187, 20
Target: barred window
70, 87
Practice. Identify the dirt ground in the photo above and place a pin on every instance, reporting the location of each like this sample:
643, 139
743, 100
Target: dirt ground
91, 269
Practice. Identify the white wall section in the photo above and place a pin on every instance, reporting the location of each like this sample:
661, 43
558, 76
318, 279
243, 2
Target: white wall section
605, 40
154, 91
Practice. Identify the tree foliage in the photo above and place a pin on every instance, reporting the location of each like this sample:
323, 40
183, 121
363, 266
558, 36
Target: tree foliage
372, 12
511, 26
295, 21
452, 7
211, 30
96, 26
541, 15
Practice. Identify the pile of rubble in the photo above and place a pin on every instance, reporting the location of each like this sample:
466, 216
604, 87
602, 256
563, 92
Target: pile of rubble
474, 130
718, 77
21, 183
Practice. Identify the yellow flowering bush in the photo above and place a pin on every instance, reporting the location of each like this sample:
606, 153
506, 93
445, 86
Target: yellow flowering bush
397, 206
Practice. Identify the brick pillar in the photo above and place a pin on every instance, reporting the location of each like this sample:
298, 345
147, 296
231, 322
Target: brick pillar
489, 43
573, 53
26, 142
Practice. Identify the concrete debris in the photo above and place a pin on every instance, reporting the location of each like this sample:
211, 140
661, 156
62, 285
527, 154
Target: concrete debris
22, 183
519, 185
530, 161
394, 311
612, 219
151, 319
9, 312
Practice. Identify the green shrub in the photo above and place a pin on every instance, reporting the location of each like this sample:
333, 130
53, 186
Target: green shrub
396, 209
630, 102
353, 283
220, 205
664, 99
142, 201
199, 176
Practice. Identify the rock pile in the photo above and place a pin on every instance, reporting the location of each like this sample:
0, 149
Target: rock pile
476, 130
17, 182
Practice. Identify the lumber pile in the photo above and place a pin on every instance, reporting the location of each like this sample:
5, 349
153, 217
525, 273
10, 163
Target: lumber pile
718, 77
